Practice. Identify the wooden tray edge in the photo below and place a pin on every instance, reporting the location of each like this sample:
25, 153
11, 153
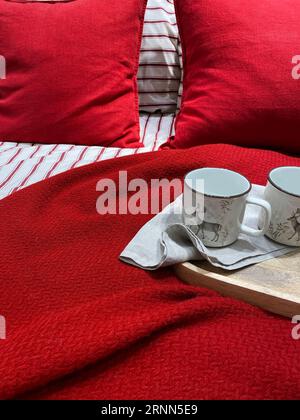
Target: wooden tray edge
196, 276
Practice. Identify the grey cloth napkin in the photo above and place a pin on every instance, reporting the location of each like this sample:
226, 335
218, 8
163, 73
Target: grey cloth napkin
166, 241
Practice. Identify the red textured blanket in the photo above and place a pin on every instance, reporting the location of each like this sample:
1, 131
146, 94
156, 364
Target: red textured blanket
81, 324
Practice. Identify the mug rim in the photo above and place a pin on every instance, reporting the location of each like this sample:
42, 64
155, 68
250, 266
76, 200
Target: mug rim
273, 183
219, 196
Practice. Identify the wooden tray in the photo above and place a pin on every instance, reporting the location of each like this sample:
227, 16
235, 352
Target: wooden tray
273, 285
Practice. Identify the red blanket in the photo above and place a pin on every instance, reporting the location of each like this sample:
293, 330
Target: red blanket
81, 324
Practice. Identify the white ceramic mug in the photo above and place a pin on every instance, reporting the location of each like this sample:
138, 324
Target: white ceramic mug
283, 193
214, 206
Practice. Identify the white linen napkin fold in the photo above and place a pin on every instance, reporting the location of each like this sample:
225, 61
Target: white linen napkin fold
166, 241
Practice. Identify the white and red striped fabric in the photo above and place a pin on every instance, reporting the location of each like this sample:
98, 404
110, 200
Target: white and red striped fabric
159, 71
23, 164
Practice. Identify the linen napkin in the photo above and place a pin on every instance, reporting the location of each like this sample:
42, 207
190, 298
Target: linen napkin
166, 241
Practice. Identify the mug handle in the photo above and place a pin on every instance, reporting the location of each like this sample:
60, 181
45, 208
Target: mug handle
267, 218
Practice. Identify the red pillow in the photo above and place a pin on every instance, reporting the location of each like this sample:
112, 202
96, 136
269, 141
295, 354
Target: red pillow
238, 84
71, 71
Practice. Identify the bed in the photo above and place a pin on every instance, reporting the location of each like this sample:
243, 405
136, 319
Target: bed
83, 325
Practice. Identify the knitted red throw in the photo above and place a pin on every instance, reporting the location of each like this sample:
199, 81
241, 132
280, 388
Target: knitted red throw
81, 324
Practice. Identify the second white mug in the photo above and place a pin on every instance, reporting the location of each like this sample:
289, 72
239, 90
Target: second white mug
283, 194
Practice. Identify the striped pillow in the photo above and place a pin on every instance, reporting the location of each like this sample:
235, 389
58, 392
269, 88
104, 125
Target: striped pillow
159, 71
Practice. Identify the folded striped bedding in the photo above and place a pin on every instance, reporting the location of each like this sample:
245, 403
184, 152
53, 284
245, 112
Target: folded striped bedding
23, 164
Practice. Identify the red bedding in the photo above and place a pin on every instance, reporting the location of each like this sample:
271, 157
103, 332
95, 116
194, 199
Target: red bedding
81, 324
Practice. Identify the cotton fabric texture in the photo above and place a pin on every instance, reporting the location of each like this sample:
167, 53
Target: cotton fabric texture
238, 86
71, 72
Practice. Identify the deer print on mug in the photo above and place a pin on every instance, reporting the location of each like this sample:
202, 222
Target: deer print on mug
207, 227
295, 221
224, 195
